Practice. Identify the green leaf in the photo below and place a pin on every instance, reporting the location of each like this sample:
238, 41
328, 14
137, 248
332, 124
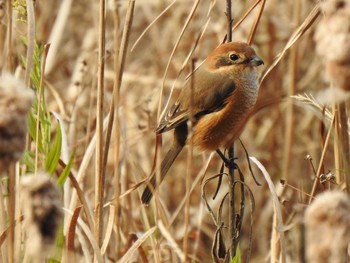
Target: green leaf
63, 176
28, 160
55, 152
237, 258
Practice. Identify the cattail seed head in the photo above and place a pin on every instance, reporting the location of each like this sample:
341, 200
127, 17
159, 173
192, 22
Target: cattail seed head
15, 102
333, 41
327, 224
42, 213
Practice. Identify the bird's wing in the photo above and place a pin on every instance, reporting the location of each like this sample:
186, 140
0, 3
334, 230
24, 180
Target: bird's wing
205, 101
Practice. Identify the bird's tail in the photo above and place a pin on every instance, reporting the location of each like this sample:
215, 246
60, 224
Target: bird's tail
166, 164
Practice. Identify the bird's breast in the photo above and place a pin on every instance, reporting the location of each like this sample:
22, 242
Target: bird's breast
221, 128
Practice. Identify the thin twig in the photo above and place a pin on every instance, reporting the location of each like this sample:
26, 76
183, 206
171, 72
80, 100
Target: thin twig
255, 26
229, 20
324, 150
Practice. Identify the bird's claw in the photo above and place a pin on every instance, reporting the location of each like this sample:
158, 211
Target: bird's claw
230, 163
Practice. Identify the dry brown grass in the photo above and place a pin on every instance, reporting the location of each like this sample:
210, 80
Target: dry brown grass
177, 225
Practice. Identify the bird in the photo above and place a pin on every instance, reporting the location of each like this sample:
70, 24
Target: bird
217, 98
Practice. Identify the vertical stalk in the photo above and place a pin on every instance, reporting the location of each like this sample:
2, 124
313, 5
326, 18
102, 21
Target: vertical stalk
189, 167
344, 131
232, 212
115, 109
289, 122
11, 210
9, 35
99, 173
337, 140
232, 209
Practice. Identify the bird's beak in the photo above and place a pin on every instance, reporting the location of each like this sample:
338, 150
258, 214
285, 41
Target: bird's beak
256, 61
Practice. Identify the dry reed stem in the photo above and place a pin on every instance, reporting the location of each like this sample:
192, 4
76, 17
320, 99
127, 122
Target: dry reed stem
99, 169
321, 162
232, 224
9, 66
57, 34
344, 131
239, 22
256, 22
189, 170
11, 210
337, 139
298, 33
116, 128
292, 88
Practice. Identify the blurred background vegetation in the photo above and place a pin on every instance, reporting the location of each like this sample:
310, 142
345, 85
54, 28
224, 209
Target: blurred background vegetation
286, 134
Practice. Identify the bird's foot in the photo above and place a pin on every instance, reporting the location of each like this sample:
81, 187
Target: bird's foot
229, 163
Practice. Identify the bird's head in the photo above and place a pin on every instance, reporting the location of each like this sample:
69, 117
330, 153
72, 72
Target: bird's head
233, 56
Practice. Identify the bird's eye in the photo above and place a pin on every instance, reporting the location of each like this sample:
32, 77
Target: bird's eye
234, 57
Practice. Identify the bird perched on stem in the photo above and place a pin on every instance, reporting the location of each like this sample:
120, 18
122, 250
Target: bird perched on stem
224, 90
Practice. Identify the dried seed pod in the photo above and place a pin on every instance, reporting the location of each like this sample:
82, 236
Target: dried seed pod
42, 214
327, 224
15, 102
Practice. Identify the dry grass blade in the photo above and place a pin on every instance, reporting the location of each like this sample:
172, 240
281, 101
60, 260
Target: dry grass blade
172, 243
276, 205
132, 250
71, 229
215, 249
239, 22
189, 17
199, 177
133, 188
308, 99
57, 33
211, 212
90, 237
151, 24
109, 229
81, 196
320, 165
4, 234
256, 22
309, 20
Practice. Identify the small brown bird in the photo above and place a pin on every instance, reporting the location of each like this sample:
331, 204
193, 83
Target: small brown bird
225, 89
